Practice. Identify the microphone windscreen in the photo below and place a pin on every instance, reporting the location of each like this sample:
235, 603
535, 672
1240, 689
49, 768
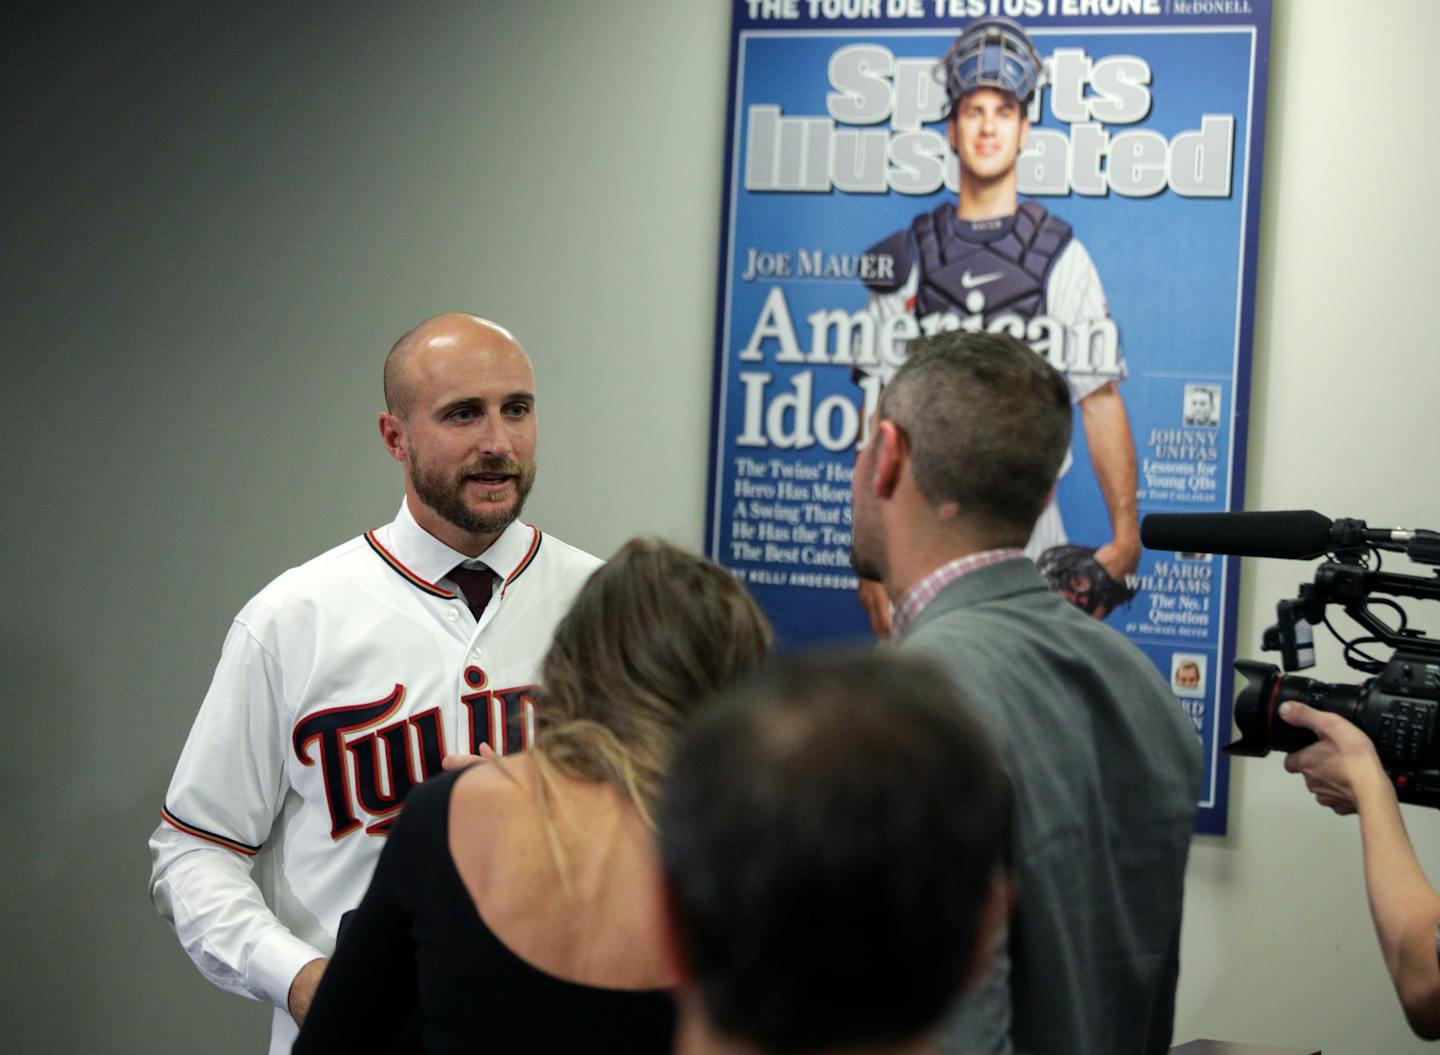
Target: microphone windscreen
1297, 534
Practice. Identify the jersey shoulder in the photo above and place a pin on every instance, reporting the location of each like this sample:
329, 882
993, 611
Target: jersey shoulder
324, 575
559, 558
575, 553
1075, 256
897, 248
542, 588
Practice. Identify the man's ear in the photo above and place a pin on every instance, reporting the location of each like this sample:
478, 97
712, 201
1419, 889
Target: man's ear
392, 434
1024, 133
892, 451
950, 126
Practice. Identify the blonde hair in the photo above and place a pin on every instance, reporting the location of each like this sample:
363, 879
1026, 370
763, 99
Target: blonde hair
652, 635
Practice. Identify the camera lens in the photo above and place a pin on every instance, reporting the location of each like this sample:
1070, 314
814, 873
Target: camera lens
1257, 708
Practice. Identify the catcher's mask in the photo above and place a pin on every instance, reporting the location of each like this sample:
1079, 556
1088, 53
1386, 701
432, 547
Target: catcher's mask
991, 53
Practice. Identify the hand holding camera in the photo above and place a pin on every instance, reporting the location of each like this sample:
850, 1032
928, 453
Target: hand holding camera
1341, 768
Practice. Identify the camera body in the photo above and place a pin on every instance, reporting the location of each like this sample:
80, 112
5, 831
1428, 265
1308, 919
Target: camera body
1399, 709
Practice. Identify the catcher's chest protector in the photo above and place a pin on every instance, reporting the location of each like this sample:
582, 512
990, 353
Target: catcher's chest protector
987, 273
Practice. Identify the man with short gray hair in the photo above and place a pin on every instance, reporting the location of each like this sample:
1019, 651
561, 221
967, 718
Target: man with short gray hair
961, 458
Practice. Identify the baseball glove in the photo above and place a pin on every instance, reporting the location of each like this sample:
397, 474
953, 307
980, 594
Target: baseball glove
1075, 574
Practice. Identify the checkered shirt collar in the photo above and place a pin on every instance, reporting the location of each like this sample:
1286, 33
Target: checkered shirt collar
913, 601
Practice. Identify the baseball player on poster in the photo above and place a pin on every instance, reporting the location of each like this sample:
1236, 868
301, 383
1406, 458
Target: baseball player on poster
990, 260
347, 680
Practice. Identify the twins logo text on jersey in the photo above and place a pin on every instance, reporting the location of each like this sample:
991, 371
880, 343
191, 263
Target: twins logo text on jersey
368, 767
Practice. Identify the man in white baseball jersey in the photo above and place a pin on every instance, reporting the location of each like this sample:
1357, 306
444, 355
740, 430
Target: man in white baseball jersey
347, 680
991, 262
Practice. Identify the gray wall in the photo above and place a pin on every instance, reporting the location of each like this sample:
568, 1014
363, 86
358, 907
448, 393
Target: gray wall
217, 217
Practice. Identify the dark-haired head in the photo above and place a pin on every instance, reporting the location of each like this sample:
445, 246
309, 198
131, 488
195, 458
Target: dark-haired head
832, 836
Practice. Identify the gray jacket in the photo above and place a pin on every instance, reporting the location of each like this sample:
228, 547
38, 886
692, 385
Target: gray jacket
1107, 772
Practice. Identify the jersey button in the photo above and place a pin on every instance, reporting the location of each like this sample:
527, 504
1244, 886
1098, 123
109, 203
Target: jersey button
451, 614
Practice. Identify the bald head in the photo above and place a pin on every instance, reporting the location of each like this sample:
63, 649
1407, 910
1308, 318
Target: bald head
438, 335
460, 394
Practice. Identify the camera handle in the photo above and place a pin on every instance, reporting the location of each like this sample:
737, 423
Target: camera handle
1350, 586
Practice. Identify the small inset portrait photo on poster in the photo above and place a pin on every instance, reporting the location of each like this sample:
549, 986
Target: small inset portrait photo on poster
1200, 558
1202, 406
1187, 674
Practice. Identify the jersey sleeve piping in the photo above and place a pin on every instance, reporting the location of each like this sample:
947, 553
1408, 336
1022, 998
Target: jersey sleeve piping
209, 836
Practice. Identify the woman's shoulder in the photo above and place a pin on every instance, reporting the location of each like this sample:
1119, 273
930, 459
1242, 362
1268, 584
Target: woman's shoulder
494, 810
497, 786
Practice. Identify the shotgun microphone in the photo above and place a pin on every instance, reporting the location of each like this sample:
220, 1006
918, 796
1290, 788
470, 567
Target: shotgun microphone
1294, 534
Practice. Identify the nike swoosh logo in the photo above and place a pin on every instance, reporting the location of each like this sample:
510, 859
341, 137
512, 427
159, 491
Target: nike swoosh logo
970, 281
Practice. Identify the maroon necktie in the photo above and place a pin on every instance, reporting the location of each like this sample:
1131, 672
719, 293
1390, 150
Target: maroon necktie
476, 584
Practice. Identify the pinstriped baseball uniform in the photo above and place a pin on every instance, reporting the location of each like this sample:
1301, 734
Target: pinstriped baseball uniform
1007, 274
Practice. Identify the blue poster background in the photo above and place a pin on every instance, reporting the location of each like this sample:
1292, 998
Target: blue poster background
1177, 270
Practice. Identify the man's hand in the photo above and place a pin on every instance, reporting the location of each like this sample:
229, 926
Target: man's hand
302, 989
450, 762
877, 606
1341, 768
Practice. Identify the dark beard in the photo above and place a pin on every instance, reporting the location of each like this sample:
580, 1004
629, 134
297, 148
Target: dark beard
864, 568
445, 495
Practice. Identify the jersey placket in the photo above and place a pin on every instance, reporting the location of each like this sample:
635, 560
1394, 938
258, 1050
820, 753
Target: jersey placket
479, 715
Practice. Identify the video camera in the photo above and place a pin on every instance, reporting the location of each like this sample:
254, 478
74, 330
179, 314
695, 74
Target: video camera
1399, 706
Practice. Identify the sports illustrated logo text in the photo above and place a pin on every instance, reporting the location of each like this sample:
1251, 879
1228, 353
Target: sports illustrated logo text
844, 151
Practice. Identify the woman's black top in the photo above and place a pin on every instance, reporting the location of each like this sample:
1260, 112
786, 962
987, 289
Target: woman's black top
417, 969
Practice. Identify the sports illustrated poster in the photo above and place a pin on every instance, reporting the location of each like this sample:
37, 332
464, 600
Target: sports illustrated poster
1128, 261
